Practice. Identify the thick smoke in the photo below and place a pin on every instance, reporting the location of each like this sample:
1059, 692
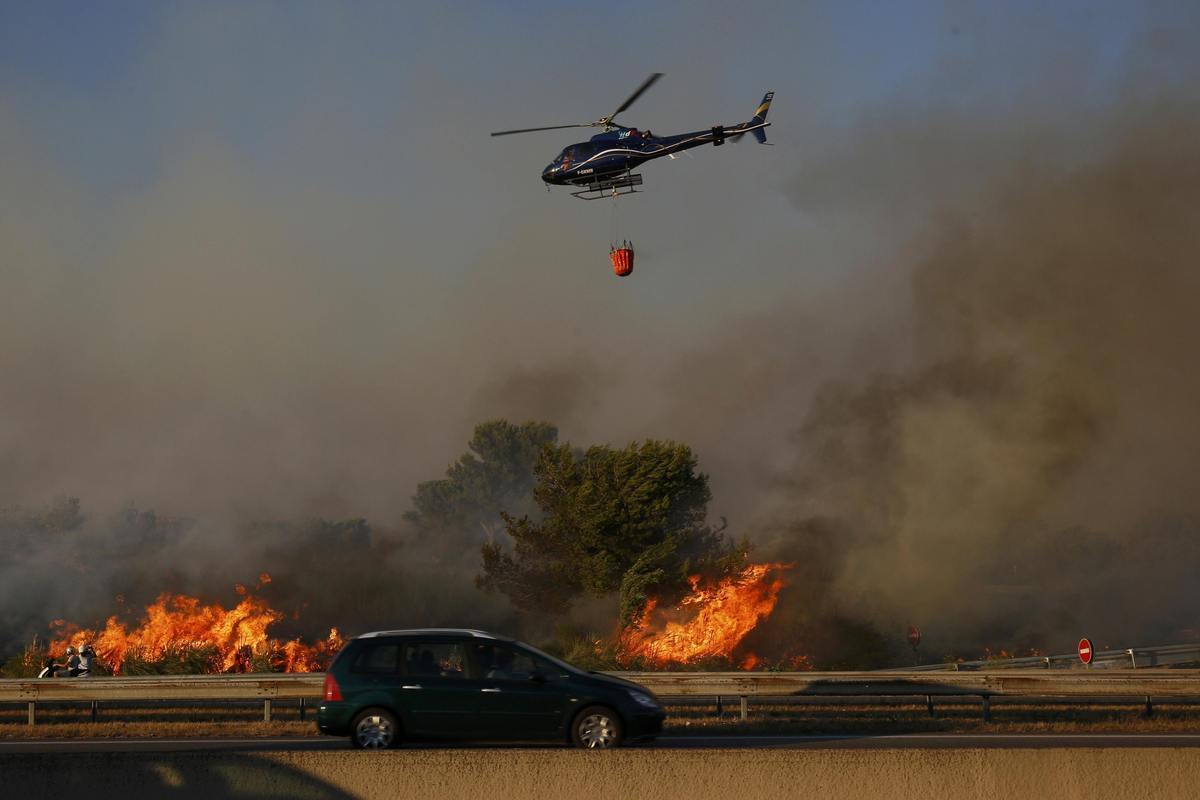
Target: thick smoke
1028, 476
62, 564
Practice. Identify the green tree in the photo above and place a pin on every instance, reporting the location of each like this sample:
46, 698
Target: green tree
628, 520
495, 476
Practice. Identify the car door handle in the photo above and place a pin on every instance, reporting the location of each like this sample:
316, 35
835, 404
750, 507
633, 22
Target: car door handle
489, 690
411, 686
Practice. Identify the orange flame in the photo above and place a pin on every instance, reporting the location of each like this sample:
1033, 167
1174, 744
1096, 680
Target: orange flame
716, 619
178, 622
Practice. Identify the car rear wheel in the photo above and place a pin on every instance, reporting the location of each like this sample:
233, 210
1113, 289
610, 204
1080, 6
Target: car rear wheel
596, 728
375, 729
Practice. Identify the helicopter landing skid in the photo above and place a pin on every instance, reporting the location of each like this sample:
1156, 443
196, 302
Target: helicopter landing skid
609, 187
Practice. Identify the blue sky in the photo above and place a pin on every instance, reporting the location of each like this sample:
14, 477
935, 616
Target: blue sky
258, 202
111, 87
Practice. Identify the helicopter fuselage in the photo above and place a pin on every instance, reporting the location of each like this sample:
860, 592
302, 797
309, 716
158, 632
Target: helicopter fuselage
623, 149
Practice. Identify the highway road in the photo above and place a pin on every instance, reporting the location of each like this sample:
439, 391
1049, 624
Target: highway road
981, 767
903, 741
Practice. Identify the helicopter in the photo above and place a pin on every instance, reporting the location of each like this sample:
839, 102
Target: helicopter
603, 166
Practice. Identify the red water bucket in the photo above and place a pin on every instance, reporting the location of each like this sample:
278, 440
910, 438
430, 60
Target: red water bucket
622, 260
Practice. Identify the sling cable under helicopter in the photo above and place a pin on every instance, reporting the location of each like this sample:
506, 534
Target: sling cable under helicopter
603, 166
621, 256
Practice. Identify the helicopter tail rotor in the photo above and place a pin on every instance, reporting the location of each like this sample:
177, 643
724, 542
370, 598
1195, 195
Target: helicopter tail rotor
757, 124
760, 118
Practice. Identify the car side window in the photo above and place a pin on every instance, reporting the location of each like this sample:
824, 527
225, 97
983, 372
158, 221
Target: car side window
378, 658
549, 671
502, 661
435, 659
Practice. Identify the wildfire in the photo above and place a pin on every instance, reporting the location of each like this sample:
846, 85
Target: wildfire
176, 623
709, 622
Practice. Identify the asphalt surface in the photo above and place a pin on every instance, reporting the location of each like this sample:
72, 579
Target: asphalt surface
905, 741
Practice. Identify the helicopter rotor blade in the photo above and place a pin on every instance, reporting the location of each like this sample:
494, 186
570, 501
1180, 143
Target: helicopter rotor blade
547, 128
603, 122
645, 85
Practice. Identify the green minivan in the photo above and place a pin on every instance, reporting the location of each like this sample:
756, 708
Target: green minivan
439, 683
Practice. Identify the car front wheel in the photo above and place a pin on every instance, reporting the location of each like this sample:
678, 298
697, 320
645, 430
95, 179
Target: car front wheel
375, 729
596, 728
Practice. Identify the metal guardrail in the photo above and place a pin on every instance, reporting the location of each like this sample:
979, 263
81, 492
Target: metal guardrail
984, 685
1129, 658
1027, 683
1107, 683
265, 687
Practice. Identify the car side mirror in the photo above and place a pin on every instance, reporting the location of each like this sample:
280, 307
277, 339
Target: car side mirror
538, 677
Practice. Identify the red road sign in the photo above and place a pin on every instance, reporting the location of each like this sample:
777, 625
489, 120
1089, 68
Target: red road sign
1085, 651
914, 636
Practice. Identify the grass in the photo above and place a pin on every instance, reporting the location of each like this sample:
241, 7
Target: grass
63, 721
958, 718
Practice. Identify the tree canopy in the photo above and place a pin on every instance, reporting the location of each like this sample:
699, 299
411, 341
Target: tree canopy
628, 520
495, 476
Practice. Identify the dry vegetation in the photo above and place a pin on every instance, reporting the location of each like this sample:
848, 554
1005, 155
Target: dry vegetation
956, 718
67, 721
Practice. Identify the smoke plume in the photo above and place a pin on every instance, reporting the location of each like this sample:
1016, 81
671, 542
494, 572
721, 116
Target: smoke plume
1027, 475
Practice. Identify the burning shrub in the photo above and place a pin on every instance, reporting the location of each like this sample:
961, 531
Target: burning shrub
173, 659
708, 624
180, 635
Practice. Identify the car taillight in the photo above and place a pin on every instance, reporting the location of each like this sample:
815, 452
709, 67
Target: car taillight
332, 690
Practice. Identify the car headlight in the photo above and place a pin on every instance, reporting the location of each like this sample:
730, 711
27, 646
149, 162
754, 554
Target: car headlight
643, 699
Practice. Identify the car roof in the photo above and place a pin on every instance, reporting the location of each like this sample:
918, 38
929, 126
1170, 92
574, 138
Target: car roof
433, 632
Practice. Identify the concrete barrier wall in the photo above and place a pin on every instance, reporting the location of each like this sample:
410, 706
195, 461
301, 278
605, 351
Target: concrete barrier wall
499, 774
